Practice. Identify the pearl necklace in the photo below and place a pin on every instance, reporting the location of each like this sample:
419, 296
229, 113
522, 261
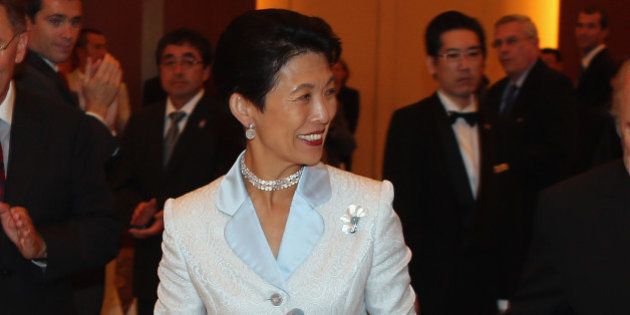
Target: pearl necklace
270, 185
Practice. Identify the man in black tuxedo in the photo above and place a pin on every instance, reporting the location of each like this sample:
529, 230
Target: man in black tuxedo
579, 258
56, 213
449, 174
171, 148
598, 141
538, 105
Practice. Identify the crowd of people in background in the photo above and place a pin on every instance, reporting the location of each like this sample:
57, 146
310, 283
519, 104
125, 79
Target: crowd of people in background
513, 196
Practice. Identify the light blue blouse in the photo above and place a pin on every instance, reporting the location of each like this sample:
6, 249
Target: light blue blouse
303, 229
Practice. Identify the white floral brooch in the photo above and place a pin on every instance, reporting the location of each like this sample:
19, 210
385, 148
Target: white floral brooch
351, 219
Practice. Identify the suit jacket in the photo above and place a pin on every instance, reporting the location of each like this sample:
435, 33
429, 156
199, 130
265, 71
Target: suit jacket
579, 258
598, 141
593, 88
543, 126
54, 173
36, 76
343, 273
204, 151
460, 244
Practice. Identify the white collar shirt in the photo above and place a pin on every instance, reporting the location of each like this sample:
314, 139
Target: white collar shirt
467, 139
586, 60
6, 118
188, 108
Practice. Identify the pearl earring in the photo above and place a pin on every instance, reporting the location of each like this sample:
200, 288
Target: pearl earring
250, 133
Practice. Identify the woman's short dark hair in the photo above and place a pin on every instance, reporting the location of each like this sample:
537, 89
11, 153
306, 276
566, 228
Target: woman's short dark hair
448, 21
183, 36
258, 43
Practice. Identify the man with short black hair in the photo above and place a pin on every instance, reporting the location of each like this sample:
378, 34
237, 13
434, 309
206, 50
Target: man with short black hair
53, 31
598, 142
597, 67
445, 158
170, 148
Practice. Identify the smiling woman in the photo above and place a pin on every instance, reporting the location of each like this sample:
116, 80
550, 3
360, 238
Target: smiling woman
282, 232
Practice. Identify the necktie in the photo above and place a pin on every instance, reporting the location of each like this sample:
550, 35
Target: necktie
172, 134
470, 118
510, 99
2, 174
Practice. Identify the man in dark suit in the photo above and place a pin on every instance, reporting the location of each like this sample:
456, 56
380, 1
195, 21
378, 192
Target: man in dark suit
598, 141
54, 27
56, 213
448, 174
538, 105
171, 148
579, 259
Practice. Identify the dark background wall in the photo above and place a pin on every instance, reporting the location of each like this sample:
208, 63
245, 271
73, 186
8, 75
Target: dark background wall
207, 16
121, 21
618, 42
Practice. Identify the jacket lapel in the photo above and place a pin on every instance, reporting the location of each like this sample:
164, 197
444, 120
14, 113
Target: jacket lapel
155, 141
28, 145
36, 61
188, 139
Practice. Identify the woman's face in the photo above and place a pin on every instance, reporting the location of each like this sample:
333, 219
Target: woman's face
298, 111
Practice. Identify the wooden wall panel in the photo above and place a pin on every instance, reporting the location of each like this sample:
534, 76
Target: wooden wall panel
121, 21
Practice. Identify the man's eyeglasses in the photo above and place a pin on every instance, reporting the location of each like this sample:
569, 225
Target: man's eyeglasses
4, 46
455, 55
186, 63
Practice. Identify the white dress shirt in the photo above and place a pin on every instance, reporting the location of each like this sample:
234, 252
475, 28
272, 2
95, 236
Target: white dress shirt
6, 117
467, 138
188, 108
586, 60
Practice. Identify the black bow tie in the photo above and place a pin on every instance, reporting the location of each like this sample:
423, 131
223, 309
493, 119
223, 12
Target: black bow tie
471, 118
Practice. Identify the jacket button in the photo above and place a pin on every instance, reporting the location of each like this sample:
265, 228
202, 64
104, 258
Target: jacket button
296, 311
5, 272
276, 299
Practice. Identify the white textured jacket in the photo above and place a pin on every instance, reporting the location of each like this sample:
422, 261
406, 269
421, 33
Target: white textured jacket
216, 260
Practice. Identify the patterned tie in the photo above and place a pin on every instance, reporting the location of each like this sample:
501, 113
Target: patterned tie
510, 99
2, 174
172, 134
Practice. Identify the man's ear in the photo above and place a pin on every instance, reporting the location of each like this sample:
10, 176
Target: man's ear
206, 73
430, 61
22, 46
242, 108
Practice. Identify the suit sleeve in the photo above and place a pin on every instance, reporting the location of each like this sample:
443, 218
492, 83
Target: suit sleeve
122, 180
546, 154
399, 168
90, 238
176, 293
540, 291
388, 289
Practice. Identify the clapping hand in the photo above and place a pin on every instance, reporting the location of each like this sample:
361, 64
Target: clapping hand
142, 215
100, 84
18, 226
